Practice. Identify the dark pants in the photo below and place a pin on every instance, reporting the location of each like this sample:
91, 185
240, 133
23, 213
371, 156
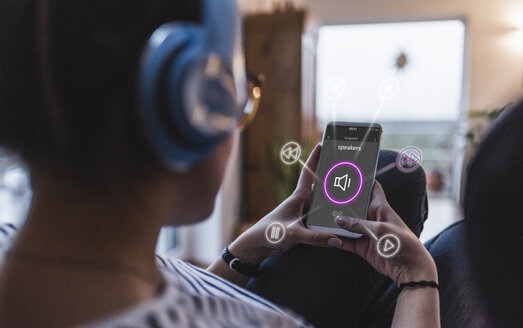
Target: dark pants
335, 288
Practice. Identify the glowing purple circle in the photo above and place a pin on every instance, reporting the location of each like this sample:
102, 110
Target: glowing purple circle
326, 179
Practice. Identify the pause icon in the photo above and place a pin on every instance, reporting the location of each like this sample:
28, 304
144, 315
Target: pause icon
275, 233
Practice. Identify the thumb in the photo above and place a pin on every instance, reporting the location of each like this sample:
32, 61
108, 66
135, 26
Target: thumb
306, 236
378, 194
364, 227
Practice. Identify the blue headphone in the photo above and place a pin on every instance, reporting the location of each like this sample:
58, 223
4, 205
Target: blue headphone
192, 84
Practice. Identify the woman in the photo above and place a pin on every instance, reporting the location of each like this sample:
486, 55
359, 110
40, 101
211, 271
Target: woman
86, 253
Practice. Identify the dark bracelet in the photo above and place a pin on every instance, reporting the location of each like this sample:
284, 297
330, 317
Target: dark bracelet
422, 283
238, 265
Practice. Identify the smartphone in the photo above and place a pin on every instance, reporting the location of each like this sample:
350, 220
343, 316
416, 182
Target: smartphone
345, 175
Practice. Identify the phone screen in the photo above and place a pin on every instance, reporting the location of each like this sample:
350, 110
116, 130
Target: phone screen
345, 175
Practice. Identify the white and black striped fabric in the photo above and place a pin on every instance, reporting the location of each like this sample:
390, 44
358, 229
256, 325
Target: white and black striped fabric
193, 298
7, 232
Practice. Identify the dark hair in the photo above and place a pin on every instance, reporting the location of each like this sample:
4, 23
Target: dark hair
68, 79
493, 218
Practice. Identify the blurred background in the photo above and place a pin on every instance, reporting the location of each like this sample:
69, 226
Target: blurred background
457, 65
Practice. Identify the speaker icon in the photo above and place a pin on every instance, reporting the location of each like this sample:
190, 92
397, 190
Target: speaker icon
346, 176
342, 182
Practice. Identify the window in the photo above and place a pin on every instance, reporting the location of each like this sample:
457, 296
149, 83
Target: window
425, 59
421, 62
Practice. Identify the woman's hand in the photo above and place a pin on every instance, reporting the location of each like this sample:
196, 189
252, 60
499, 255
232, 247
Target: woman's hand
412, 263
415, 307
253, 247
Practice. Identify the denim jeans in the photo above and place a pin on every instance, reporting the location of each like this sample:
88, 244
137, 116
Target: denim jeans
335, 288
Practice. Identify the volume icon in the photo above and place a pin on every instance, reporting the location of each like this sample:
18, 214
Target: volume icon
342, 182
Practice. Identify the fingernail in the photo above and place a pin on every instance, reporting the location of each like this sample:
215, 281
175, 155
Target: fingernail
334, 242
340, 219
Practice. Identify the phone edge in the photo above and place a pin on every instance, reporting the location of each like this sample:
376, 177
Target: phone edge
340, 231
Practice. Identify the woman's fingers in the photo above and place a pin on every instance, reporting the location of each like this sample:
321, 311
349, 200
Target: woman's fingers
308, 175
378, 194
377, 201
368, 228
379, 208
302, 235
371, 229
350, 245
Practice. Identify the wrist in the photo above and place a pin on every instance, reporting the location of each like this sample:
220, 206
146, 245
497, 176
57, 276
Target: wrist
248, 250
421, 272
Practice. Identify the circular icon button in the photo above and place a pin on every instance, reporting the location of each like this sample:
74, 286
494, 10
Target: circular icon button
389, 88
335, 88
343, 183
290, 153
409, 159
335, 214
275, 233
388, 245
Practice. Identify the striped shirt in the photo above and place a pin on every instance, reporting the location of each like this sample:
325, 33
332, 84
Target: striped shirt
193, 298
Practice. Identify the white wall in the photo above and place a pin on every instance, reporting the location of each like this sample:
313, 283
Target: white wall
494, 29
254, 5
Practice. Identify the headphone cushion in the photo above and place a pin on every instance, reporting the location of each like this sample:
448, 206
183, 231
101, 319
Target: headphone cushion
163, 117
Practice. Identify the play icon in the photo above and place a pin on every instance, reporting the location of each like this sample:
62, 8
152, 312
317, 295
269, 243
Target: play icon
388, 245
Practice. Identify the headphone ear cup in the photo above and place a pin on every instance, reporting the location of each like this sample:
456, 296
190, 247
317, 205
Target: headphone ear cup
188, 84
166, 46
188, 97
209, 95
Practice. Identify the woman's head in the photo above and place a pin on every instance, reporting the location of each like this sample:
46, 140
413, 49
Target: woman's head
68, 89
